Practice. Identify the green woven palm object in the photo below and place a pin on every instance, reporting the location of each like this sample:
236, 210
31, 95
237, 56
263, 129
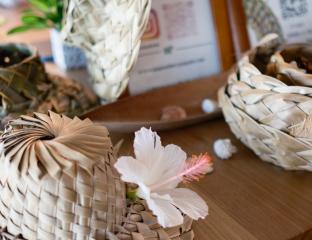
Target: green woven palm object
26, 87
21, 74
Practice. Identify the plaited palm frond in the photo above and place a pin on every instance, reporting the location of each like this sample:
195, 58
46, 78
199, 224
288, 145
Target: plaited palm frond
25, 86
56, 179
267, 103
110, 33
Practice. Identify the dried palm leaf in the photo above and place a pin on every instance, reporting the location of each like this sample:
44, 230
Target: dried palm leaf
56, 179
110, 33
20, 73
302, 129
25, 86
267, 103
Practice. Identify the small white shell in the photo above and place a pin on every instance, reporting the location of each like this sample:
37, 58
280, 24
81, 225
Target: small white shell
223, 148
209, 106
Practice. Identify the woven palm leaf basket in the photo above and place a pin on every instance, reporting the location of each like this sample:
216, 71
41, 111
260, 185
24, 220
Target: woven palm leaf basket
25, 86
268, 105
57, 181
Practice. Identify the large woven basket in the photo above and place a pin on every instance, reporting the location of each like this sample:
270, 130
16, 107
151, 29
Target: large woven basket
57, 181
267, 104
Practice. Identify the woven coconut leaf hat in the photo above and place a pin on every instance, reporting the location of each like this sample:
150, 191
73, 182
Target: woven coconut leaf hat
58, 180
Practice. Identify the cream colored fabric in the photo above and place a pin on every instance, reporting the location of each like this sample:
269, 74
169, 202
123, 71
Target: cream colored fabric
57, 179
110, 33
267, 113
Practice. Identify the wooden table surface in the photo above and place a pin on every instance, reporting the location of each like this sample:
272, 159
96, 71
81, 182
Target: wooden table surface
248, 199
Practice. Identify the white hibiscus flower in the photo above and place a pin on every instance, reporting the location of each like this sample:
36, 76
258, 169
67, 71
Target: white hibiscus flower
157, 171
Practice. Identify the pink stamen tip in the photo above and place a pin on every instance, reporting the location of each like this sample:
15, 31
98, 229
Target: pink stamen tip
196, 167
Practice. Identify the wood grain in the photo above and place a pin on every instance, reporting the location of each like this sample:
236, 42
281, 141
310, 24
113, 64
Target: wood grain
249, 199
304, 236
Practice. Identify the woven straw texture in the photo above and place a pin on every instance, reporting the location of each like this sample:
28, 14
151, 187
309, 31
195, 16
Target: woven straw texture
268, 104
138, 224
66, 96
20, 73
57, 181
110, 32
25, 86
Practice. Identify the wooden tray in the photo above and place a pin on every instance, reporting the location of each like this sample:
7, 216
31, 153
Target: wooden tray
132, 113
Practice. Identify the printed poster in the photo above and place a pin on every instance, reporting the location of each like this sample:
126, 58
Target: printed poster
179, 45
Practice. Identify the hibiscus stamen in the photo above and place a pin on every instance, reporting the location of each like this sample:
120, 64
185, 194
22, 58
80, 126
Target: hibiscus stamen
195, 168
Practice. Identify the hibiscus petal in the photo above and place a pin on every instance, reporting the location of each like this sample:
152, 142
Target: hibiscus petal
173, 162
148, 148
167, 214
189, 202
131, 170
143, 191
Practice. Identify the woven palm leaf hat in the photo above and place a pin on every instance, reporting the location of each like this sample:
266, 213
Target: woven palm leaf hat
267, 103
57, 181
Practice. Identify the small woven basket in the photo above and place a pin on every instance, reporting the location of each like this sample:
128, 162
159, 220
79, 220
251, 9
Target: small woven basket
267, 103
57, 181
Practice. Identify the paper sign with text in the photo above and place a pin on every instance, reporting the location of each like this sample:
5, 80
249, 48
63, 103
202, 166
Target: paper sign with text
179, 44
